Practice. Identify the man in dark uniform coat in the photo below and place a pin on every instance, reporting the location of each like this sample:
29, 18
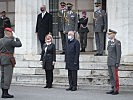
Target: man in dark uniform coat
71, 20
100, 27
83, 30
113, 62
7, 60
61, 24
44, 24
4, 23
72, 60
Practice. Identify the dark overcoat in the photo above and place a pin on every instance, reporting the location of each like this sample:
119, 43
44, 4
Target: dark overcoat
48, 56
43, 25
72, 55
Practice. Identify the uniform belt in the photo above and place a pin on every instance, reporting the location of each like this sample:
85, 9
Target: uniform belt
6, 54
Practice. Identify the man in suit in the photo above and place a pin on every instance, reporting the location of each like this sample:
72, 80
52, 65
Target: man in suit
71, 20
7, 60
72, 60
44, 24
113, 62
4, 23
61, 24
100, 27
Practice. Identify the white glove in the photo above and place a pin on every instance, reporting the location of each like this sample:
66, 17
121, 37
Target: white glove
14, 35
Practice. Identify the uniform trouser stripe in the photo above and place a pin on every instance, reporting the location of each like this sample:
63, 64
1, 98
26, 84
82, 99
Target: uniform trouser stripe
114, 79
117, 79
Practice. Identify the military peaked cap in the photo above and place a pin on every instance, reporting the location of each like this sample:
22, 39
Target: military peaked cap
112, 31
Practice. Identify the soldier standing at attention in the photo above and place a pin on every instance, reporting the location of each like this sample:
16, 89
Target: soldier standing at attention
61, 24
83, 30
100, 27
71, 20
7, 60
113, 62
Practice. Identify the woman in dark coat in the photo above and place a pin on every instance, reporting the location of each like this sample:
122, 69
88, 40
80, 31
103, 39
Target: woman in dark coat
48, 58
83, 30
72, 60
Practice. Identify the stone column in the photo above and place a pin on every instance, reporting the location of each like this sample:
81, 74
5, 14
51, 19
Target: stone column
26, 12
120, 18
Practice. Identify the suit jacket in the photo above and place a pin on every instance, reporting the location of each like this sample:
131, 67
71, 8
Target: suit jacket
71, 23
72, 55
49, 56
114, 52
43, 25
100, 23
61, 20
8, 44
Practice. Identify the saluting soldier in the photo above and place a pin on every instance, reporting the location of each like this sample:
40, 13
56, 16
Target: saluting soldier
113, 62
71, 20
100, 27
7, 60
61, 24
83, 30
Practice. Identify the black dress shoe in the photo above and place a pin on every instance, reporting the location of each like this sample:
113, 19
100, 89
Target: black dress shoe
62, 53
46, 86
81, 50
100, 55
50, 87
74, 89
68, 89
115, 93
110, 92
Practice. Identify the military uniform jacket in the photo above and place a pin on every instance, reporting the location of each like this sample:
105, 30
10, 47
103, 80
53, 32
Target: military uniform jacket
72, 55
114, 52
83, 25
61, 20
8, 44
48, 56
100, 23
71, 22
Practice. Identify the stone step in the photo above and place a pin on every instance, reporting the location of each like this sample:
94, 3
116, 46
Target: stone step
63, 72
86, 58
63, 80
83, 58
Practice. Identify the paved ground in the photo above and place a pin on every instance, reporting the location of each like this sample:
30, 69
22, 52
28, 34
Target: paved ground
39, 93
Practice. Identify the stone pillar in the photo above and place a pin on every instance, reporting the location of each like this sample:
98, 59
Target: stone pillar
120, 18
26, 12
